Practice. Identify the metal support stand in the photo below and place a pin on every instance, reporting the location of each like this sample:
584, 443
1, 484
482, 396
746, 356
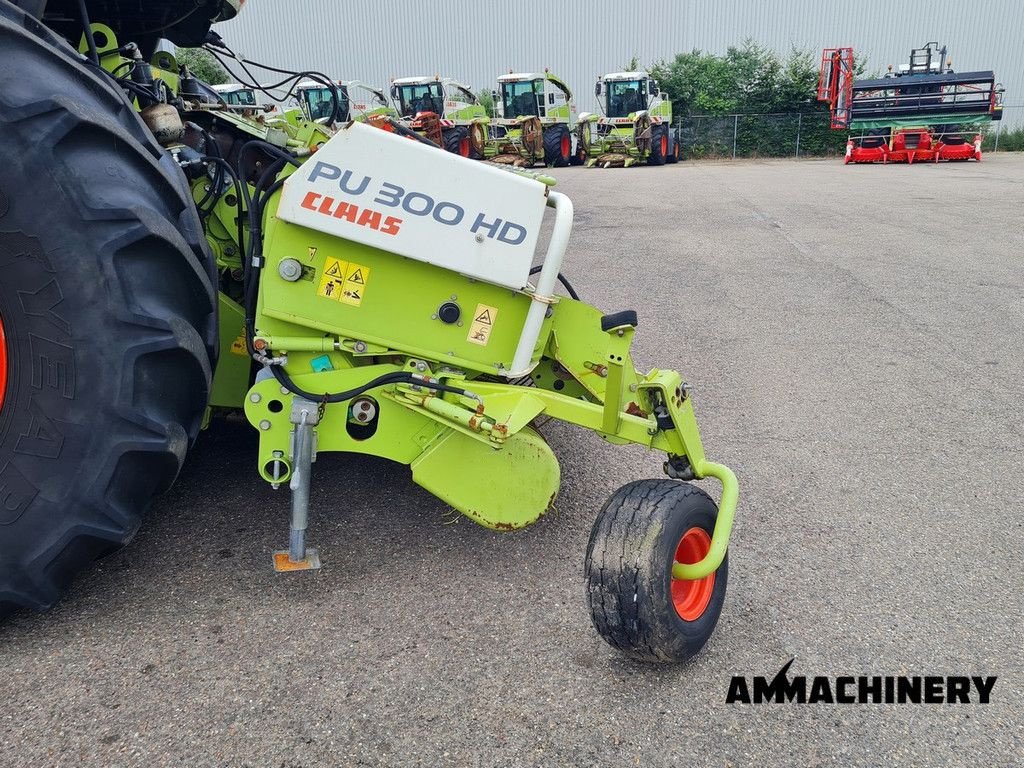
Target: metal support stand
305, 416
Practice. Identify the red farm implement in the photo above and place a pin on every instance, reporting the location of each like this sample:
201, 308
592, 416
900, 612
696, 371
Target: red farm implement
924, 111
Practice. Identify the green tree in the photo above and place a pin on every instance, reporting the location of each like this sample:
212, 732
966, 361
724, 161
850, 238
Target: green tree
203, 65
775, 96
485, 97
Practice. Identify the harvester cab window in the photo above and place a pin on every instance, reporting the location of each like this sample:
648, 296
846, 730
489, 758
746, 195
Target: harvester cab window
243, 97
413, 99
520, 99
625, 98
467, 95
318, 103
557, 94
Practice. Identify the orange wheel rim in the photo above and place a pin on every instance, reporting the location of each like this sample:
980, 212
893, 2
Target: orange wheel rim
664, 146
565, 146
464, 147
691, 598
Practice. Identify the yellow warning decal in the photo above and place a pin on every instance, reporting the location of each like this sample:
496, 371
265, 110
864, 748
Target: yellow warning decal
238, 345
335, 268
344, 281
332, 279
482, 325
356, 278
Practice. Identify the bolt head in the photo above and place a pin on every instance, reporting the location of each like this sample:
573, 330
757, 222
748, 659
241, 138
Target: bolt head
290, 270
264, 425
255, 397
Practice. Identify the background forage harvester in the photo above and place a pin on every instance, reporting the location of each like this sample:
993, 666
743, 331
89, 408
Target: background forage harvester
635, 124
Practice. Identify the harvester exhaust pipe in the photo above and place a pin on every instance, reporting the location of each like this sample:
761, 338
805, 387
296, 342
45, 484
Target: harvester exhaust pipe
305, 416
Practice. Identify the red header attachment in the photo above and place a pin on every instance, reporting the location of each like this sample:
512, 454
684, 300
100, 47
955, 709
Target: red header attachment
835, 84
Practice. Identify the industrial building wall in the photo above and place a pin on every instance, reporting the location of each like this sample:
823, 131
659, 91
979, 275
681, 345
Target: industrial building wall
376, 40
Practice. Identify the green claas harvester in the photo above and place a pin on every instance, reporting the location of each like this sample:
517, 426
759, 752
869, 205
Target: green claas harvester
442, 110
167, 259
635, 124
355, 100
535, 119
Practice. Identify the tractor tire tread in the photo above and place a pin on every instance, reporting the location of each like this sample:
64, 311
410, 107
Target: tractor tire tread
108, 228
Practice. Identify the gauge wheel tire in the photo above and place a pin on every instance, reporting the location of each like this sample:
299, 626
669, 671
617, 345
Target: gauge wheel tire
557, 147
635, 604
107, 316
659, 145
457, 141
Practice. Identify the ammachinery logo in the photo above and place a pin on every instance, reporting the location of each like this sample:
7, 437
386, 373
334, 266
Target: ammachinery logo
862, 689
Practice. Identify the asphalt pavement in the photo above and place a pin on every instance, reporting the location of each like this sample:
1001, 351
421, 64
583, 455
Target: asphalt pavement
855, 341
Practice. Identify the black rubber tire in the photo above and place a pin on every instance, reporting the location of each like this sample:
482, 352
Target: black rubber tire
581, 156
454, 138
674, 151
876, 137
109, 311
657, 157
553, 145
628, 570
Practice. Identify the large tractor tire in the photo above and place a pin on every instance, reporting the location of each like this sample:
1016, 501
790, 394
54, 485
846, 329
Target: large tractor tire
456, 141
557, 146
582, 133
659, 145
107, 316
674, 150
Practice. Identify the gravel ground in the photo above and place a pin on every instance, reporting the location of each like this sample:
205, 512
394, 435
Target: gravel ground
855, 338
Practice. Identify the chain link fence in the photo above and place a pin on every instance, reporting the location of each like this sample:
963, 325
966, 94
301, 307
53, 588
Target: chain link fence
1008, 134
803, 134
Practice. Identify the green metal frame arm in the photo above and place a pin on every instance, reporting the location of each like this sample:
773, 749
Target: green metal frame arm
723, 525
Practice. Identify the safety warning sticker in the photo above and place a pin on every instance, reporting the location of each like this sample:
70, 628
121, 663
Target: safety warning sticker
356, 278
344, 281
333, 279
482, 325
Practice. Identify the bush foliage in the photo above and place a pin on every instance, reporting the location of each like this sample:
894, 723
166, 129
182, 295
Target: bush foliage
774, 97
202, 65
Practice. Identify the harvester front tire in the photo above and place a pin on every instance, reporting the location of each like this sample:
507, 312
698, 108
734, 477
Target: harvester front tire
557, 146
674, 152
635, 604
659, 145
581, 156
456, 141
108, 316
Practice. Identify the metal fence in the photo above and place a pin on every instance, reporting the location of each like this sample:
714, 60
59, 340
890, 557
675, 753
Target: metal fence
1010, 130
801, 134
